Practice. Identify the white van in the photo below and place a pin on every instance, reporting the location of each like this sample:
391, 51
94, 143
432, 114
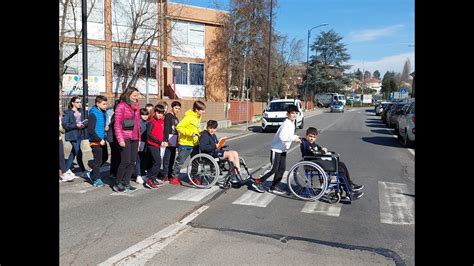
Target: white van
275, 114
339, 98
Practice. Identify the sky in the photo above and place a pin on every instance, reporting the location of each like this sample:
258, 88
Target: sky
379, 35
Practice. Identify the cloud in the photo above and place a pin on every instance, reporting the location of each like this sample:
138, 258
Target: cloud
390, 63
372, 34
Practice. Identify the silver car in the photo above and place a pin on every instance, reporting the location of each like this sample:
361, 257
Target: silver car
337, 107
406, 126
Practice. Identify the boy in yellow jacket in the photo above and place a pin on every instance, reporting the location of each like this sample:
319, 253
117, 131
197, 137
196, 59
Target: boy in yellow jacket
188, 139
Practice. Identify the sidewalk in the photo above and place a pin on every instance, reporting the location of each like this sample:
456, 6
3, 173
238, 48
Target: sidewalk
230, 132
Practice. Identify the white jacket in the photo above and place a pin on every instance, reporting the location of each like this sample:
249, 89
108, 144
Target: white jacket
285, 135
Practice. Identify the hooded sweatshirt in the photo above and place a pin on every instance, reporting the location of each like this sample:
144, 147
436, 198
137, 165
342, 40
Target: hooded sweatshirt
190, 124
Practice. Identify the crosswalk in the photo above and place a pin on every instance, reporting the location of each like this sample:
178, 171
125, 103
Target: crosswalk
395, 201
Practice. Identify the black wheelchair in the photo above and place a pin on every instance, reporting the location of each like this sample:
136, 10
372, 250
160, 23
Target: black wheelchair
205, 171
318, 175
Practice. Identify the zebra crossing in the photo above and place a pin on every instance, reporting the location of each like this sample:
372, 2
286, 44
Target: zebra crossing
396, 203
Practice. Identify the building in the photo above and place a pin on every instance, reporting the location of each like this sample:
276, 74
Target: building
183, 62
374, 84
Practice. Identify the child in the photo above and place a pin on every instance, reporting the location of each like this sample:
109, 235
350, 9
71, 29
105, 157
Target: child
171, 137
208, 144
140, 164
309, 147
154, 134
97, 126
64, 176
188, 129
280, 145
165, 105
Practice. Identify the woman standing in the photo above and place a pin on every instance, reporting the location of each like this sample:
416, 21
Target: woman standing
73, 123
127, 133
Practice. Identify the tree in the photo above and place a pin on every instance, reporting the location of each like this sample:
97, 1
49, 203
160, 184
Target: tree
286, 55
406, 71
376, 74
326, 70
367, 75
390, 82
358, 74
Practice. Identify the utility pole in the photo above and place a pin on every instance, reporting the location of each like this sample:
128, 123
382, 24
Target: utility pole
85, 75
269, 51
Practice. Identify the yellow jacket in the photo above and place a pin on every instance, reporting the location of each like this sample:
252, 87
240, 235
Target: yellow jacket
190, 124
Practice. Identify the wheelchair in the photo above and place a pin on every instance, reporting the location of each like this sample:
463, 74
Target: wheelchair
316, 176
205, 171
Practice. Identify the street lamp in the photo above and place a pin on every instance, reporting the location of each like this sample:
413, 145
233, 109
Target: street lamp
307, 59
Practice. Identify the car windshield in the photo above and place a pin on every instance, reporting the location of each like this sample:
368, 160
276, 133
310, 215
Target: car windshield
338, 103
279, 106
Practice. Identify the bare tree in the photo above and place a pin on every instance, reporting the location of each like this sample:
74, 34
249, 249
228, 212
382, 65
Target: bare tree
286, 55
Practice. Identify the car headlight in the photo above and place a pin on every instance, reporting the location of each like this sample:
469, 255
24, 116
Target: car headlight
265, 115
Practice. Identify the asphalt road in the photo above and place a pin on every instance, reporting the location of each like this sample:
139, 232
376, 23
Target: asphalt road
238, 226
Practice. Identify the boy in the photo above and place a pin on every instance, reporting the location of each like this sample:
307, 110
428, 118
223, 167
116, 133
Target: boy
140, 164
97, 126
154, 140
309, 147
188, 129
280, 145
208, 144
171, 137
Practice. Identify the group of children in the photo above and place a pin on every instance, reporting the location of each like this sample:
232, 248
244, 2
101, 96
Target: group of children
164, 137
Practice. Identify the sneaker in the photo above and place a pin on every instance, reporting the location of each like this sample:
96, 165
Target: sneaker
150, 184
69, 172
158, 182
140, 179
257, 185
356, 195
66, 178
87, 174
356, 187
166, 179
98, 183
118, 188
196, 181
130, 189
175, 181
276, 190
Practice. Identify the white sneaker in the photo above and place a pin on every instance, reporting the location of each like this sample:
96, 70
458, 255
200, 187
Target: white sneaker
73, 176
69, 172
139, 179
66, 178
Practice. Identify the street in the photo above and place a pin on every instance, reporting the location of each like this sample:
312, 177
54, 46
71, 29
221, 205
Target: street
184, 225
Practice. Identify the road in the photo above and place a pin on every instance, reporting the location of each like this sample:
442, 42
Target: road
183, 225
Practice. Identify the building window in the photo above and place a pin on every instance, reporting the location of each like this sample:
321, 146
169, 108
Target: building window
96, 15
185, 33
192, 72
95, 62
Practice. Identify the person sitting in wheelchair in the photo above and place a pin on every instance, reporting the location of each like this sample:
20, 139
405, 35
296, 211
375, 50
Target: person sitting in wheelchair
208, 143
309, 147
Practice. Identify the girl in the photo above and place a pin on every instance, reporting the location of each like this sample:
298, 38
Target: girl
154, 130
73, 123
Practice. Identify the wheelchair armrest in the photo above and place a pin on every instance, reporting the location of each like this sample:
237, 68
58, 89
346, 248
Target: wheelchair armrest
225, 146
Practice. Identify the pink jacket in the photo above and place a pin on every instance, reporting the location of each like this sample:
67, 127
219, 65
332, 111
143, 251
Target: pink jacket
123, 111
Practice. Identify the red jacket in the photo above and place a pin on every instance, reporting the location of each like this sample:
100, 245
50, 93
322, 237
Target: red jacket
123, 111
154, 132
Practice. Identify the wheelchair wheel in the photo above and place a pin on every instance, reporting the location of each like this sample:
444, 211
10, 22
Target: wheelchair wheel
307, 180
203, 171
333, 197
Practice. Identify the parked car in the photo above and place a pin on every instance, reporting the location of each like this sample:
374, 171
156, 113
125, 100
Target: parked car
275, 114
406, 126
394, 112
380, 107
383, 114
337, 107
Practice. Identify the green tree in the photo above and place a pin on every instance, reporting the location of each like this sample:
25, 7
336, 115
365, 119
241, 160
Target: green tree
358, 74
389, 82
326, 69
376, 74
367, 75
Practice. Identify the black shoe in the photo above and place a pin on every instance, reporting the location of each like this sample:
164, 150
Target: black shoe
356, 195
118, 188
277, 191
258, 186
356, 187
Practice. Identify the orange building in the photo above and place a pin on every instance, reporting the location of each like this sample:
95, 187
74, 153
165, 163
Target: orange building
182, 50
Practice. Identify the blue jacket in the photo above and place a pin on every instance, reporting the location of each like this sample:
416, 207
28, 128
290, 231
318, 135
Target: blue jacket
69, 124
207, 142
96, 124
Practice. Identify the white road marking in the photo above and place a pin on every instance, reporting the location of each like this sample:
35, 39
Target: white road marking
396, 206
412, 151
253, 198
243, 136
322, 208
142, 252
194, 194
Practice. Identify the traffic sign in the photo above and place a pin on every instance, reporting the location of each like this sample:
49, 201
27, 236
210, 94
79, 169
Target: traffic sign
403, 90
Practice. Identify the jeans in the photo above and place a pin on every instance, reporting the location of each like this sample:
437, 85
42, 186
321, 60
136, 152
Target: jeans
75, 152
101, 154
128, 155
140, 164
183, 154
155, 154
168, 161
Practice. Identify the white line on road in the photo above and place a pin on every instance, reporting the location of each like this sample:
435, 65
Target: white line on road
412, 151
253, 198
396, 206
322, 208
243, 136
194, 194
395, 136
142, 252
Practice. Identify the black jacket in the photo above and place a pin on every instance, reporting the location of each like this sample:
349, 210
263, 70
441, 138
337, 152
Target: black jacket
170, 126
308, 149
207, 142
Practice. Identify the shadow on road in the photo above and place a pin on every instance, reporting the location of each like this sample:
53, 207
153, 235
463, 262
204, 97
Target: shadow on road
380, 131
255, 129
376, 125
386, 141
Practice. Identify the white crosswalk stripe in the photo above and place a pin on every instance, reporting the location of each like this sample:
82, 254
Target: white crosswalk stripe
322, 208
396, 206
194, 194
253, 198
